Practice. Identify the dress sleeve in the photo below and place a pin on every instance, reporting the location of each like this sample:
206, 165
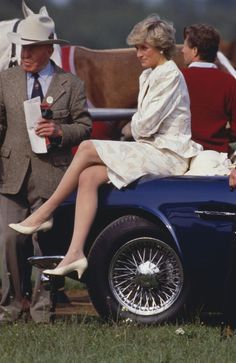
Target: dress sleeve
160, 100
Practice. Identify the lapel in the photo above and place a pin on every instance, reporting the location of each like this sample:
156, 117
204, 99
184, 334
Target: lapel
144, 84
56, 88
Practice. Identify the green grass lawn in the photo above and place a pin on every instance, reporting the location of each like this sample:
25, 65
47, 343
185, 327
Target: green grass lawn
87, 339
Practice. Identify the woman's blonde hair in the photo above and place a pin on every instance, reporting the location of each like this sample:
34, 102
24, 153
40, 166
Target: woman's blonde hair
156, 32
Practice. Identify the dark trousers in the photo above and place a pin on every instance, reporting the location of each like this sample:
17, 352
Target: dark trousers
17, 292
229, 307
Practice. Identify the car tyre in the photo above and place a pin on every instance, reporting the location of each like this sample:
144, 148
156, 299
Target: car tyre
135, 273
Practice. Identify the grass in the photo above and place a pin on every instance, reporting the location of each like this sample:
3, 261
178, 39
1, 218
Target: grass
89, 340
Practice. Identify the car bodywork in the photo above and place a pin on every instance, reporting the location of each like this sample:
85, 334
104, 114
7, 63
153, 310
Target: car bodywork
196, 216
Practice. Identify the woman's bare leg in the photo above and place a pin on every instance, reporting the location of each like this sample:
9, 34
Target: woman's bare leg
85, 156
85, 211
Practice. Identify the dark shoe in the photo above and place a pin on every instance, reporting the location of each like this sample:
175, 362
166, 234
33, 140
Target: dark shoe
10, 313
5, 319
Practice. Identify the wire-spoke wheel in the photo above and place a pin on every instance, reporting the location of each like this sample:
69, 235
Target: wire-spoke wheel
135, 273
146, 276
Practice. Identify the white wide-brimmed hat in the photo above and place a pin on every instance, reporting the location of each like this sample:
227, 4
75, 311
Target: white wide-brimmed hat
35, 29
209, 162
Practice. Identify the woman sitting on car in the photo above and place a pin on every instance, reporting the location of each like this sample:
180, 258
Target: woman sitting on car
161, 130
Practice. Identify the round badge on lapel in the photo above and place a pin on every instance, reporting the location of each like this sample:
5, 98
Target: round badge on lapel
49, 100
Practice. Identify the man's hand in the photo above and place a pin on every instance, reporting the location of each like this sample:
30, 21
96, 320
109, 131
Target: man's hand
48, 128
232, 179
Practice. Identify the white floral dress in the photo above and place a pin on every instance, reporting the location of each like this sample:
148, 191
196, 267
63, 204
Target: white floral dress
160, 127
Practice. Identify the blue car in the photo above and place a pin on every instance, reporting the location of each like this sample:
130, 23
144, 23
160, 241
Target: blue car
157, 246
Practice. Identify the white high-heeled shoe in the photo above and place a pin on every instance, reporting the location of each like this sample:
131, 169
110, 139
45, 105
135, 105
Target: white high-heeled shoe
45, 226
79, 266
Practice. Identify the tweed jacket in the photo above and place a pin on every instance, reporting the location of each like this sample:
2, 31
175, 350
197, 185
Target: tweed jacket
69, 110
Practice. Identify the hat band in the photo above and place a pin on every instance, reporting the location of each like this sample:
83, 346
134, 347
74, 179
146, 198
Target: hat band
35, 40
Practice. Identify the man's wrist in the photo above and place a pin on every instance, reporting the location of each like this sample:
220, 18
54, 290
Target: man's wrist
57, 132
55, 141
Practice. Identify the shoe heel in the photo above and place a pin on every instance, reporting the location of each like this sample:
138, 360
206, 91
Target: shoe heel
48, 225
79, 274
45, 229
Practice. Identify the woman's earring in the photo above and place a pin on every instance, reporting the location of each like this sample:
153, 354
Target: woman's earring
161, 51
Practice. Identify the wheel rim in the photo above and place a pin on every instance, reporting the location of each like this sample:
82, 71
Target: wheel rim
146, 276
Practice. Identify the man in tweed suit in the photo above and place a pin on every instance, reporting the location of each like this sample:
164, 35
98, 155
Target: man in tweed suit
27, 178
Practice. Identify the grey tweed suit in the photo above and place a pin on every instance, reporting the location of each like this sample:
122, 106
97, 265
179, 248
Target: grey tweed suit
27, 179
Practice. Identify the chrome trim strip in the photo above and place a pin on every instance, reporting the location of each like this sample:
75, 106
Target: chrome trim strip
215, 213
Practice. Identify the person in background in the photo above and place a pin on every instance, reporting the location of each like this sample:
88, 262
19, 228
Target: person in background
162, 142
212, 100
27, 179
213, 110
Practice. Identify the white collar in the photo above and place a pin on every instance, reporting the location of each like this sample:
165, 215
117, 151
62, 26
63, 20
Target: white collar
202, 65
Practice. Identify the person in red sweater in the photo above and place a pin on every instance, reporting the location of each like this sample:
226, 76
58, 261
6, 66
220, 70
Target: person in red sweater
212, 100
212, 91
213, 109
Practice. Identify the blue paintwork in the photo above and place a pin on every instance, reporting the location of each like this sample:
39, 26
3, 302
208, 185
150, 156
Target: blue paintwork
203, 243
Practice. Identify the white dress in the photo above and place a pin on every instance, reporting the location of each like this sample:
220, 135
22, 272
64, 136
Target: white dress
160, 127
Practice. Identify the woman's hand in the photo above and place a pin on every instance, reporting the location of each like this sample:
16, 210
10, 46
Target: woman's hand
232, 179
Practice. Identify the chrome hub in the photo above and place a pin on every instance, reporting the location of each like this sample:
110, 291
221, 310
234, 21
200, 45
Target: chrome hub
147, 275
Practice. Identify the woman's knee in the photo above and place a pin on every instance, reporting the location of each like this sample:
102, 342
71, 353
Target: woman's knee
87, 151
85, 145
92, 177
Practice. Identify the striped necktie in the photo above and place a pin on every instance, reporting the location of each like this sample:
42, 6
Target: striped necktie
37, 89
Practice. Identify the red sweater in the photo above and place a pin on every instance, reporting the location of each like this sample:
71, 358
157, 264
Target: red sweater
213, 103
